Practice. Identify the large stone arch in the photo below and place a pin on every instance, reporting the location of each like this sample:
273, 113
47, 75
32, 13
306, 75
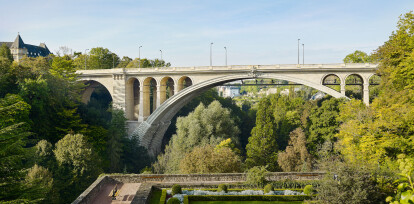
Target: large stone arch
91, 85
151, 131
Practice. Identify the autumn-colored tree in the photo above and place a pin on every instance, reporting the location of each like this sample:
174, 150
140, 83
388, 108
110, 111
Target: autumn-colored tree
208, 159
296, 157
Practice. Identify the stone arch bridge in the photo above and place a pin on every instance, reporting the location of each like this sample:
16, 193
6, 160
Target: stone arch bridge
151, 97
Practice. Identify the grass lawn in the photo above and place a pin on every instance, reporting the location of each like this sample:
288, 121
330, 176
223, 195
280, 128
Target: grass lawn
246, 202
155, 197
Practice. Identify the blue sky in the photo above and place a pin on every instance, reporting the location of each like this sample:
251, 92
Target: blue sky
254, 32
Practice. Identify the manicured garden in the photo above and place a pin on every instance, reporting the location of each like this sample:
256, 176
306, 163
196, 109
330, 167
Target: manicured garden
266, 195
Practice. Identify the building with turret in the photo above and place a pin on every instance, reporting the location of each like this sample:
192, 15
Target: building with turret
19, 49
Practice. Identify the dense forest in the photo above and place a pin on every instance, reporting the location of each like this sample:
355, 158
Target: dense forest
52, 147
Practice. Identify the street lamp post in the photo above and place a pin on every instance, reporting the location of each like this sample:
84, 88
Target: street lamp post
303, 56
211, 53
139, 56
298, 50
86, 57
161, 54
225, 48
113, 59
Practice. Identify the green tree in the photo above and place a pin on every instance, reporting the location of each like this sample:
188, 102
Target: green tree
205, 125
323, 124
5, 52
76, 167
116, 134
14, 114
124, 62
102, 58
262, 147
38, 182
358, 57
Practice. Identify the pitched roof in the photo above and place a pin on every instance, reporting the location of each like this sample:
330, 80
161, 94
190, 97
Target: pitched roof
18, 42
7, 43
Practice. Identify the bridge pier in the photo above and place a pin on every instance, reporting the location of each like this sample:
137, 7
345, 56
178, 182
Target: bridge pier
365, 93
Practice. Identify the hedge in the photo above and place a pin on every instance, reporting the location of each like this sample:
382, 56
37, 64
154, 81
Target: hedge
163, 196
288, 184
241, 189
247, 197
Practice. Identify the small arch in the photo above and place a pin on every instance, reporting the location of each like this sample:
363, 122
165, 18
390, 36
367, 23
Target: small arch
354, 86
374, 88
374, 80
166, 88
149, 96
332, 81
184, 82
132, 97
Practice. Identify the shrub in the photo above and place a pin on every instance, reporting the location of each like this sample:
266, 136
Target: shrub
163, 196
173, 201
268, 188
222, 187
308, 190
349, 183
176, 189
248, 197
256, 176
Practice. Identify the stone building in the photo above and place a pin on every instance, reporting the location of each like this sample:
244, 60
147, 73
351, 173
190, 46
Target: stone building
19, 49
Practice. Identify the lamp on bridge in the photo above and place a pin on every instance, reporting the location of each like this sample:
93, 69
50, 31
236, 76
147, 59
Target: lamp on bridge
211, 53
86, 56
139, 56
226, 54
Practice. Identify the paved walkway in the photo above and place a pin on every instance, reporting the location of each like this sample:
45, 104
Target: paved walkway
126, 193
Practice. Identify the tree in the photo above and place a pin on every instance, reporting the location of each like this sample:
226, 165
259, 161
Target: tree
102, 58
116, 134
296, 157
5, 52
205, 125
14, 114
76, 167
358, 57
124, 62
379, 133
349, 183
38, 182
208, 159
262, 147
323, 124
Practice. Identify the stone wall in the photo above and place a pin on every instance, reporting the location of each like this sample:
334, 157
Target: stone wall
89, 194
198, 178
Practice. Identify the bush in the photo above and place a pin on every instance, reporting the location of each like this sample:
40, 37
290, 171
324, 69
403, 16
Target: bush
349, 183
222, 187
256, 176
288, 184
173, 201
308, 190
268, 188
248, 197
176, 189
163, 196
